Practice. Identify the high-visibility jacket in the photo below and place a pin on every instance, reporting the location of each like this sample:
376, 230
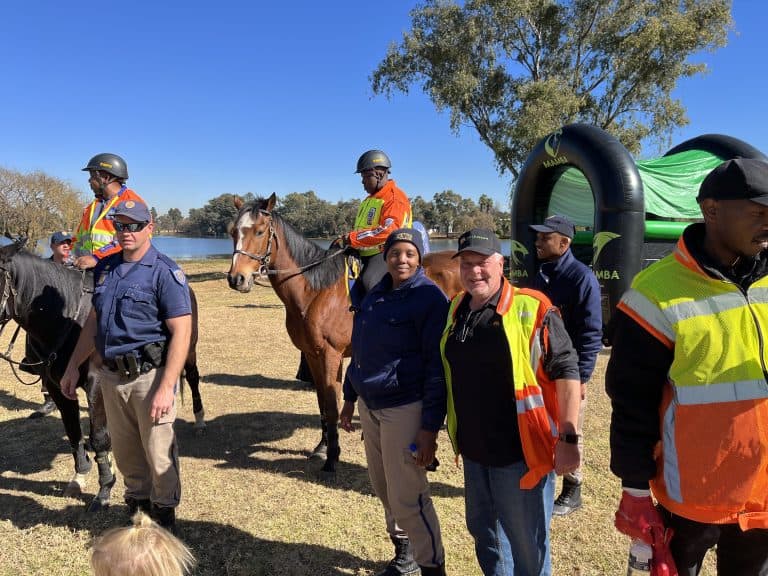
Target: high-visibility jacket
522, 313
712, 459
95, 235
379, 215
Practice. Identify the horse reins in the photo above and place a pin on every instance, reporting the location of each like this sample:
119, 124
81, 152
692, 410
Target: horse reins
264, 259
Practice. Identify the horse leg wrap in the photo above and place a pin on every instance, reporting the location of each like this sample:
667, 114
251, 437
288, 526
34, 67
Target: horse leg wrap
83, 465
83, 462
106, 466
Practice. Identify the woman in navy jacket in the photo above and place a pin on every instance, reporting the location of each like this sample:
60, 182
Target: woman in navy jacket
396, 374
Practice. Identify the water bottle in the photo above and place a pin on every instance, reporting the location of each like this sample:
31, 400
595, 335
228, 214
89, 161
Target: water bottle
432, 466
640, 555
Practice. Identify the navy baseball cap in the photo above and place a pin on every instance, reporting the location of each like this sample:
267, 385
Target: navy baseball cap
405, 235
133, 209
480, 240
556, 223
737, 179
59, 237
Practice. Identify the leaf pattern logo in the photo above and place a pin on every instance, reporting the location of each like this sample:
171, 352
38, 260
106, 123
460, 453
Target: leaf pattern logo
552, 143
598, 243
518, 248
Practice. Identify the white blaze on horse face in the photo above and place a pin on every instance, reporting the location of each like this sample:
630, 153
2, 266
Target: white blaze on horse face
241, 226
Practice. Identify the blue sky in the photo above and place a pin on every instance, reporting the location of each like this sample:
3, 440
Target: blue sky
203, 98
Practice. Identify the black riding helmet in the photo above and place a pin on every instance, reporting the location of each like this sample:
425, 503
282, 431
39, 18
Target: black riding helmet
109, 163
372, 159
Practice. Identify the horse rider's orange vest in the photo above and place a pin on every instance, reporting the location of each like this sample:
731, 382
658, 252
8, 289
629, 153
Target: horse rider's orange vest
379, 215
95, 235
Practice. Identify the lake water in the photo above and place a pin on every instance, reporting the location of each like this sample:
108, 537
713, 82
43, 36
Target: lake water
181, 248
189, 248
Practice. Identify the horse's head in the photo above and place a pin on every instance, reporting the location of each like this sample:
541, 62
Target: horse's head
7, 289
253, 237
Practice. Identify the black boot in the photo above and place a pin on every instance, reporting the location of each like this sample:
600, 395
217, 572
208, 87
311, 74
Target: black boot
403, 563
433, 570
569, 499
166, 517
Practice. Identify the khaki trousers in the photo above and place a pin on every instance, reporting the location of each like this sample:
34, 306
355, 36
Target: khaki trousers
145, 451
399, 483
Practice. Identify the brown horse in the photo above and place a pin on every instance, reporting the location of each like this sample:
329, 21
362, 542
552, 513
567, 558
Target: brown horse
311, 283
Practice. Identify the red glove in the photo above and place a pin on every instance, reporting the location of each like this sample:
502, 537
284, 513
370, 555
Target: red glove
662, 563
638, 518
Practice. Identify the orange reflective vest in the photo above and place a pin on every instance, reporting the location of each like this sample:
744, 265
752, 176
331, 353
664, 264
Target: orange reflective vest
95, 235
379, 215
522, 311
712, 460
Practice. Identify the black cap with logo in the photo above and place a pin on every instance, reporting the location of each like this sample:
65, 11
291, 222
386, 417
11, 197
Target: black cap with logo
480, 240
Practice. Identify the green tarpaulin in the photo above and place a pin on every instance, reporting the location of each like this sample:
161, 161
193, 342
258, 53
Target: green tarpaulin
670, 186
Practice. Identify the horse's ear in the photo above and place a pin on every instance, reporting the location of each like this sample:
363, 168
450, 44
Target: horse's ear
9, 251
238, 202
271, 201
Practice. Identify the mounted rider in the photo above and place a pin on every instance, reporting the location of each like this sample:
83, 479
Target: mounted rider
95, 235
386, 209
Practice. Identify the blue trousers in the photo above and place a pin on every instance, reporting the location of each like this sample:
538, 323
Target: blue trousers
510, 525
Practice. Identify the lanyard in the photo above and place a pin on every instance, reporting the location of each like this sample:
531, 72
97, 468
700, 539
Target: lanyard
105, 210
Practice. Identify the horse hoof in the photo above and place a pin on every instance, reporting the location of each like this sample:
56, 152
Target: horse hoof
97, 505
319, 453
317, 456
200, 431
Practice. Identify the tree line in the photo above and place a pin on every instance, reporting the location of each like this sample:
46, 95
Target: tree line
35, 204
446, 214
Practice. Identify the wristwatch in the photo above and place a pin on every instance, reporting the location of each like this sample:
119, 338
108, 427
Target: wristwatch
570, 438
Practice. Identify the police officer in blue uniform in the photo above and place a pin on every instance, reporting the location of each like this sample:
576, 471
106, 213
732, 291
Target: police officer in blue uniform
140, 327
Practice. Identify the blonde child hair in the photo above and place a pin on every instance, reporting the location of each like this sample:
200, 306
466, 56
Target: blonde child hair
143, 549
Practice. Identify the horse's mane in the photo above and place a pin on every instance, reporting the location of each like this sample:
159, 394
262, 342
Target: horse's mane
37, 278
327, 270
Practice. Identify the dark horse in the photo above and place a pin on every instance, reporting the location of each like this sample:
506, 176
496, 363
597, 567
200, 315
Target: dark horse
312, 284
51, 303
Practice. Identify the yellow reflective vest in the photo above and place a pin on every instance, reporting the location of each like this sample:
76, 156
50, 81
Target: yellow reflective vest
712, 461
522, 313
379, 215
95, 235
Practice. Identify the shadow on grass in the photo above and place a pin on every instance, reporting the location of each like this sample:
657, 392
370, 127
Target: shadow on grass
206, 276
12, 403
256, 381
264, 306
242, 441
219, 548
30, 446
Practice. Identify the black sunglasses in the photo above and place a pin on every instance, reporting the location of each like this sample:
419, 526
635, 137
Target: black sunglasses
130, 226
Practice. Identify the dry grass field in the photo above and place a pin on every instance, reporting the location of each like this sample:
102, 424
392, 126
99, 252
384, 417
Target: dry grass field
252, 504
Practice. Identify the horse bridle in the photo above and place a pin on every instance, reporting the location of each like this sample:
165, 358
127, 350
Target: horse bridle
9, 290
265, 258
